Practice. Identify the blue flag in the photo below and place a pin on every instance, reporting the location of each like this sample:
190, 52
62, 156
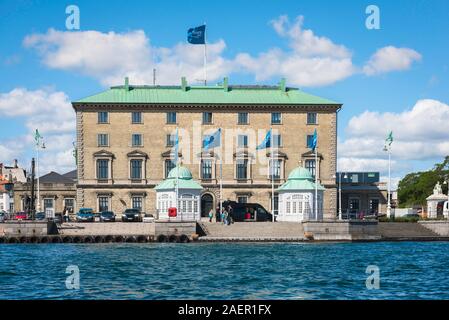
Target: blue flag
212, 141
197, 35
314, 141
266, 143
176, 147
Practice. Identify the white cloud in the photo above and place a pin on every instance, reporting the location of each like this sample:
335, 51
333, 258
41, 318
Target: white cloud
109, 57
420, 134
389, 59
311, 60
50, 112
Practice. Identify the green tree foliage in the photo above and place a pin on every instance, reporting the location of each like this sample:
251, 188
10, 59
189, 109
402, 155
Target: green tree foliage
415, 187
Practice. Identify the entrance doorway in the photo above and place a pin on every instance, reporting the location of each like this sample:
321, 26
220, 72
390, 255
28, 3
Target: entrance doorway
207, 203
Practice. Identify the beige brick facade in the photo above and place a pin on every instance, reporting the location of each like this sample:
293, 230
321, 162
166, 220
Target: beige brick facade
119, 188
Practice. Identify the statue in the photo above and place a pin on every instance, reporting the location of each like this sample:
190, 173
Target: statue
437, 190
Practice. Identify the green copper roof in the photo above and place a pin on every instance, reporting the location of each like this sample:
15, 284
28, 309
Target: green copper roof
299, 179
206, 94
184, 179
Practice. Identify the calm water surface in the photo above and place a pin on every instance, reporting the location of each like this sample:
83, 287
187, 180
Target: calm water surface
225, 271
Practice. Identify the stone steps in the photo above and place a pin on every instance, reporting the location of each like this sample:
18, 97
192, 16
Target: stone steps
254, 230
398, 230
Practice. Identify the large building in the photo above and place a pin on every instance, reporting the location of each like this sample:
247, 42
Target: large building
126, 134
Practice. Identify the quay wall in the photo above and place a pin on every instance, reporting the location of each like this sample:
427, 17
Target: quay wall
439, 227
341, 230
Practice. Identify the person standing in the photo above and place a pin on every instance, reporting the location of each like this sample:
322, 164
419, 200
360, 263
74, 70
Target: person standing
211, 214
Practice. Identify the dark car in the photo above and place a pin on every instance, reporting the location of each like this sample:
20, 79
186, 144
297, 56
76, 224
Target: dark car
85, 215
132, 215
247, 211
40, 216
107, 216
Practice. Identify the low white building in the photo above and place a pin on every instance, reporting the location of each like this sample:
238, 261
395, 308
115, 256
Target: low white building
5, 201
189, 196
297, 197
437, 203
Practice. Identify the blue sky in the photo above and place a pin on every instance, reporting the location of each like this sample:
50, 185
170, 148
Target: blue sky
406, 97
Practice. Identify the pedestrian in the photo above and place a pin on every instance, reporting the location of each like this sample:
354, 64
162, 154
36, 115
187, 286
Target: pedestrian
217, 215
230, 214
211, 214
66, 215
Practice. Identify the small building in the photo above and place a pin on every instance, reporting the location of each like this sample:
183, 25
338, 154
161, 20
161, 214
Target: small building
189, 196
57, 191
362, 193
297, 197
435, 203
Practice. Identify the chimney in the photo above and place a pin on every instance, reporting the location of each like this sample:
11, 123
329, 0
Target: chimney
225, 84
282, 85
126, 83
183, 84
15, 164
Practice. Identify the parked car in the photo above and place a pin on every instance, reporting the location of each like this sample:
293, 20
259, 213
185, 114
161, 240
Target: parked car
107, 216
132, 215
2, 216
248, 211
148, 217
21, 216
40, 216
85, 215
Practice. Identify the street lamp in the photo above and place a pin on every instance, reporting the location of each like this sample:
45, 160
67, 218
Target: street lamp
39, 145
387, 148
340, 214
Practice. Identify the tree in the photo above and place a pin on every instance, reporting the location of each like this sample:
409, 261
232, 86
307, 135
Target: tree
415, 187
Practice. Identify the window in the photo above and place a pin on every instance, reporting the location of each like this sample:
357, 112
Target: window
311, 118
207, 117
102, 169
374, 206
354, 205
136, 169
48, 204
103, 140
169, 164
276, 204
103, 204
206, 169
171, 140
242, 141
309, 141
171, 117
277, 140
137, 203
242, 118
276, 118
136, 117
103, 117
310, 165
136, 140
242, 169
275, 170
242, 199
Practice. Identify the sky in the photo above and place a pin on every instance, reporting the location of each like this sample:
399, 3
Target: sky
394, 77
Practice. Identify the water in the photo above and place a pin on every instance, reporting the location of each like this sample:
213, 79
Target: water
408, 270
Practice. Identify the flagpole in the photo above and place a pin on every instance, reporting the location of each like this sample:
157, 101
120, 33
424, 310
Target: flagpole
316, 181
221, 175
205, 56
37, 170
177, 173
389, 183
272, 175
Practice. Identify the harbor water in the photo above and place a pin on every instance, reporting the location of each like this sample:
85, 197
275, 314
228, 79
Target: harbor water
407, 270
